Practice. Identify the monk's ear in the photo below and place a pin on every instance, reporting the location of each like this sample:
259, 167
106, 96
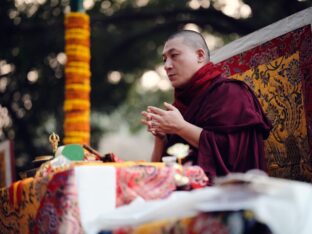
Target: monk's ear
201, 56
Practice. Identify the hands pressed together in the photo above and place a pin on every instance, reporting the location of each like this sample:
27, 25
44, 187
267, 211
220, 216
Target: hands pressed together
161, 122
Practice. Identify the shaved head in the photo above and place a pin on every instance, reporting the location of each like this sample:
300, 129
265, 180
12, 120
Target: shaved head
192, 39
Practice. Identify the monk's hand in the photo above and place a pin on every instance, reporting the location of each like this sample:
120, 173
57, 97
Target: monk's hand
152, 125
169, 121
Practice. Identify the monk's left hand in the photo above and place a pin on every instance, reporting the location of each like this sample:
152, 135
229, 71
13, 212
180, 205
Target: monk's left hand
169, 121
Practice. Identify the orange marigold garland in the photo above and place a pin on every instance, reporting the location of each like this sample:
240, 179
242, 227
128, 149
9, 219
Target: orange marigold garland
77, 83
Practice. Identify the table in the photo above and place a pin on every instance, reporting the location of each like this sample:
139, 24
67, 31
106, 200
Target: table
142, 198
65, 201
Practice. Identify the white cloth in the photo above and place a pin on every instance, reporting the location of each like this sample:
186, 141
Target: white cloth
284, 205
96, 188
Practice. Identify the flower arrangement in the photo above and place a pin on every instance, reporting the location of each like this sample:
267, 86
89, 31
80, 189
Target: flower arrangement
179, 150
77, 82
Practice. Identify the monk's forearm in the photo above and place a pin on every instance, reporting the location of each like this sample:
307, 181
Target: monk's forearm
190, 133
159, 145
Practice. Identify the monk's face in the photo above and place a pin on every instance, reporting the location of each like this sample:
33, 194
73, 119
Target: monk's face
180, 61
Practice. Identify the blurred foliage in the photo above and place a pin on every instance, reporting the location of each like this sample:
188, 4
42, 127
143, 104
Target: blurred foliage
126, 36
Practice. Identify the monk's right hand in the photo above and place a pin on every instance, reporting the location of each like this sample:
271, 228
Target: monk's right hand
152, 125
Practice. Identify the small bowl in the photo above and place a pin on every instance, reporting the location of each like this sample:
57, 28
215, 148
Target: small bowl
41, 159
169, 160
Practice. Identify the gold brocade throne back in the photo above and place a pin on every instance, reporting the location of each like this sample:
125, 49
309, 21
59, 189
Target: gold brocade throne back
278, 87
280, 73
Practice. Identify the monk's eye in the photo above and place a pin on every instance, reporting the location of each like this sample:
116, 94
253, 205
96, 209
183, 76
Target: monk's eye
174, 55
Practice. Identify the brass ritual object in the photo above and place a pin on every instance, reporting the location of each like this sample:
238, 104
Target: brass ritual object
39, 160
54, 140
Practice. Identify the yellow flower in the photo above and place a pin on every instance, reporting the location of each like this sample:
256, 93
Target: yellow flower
79, 134
78, 87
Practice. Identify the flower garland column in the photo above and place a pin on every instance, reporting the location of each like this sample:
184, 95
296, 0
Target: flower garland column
77, 81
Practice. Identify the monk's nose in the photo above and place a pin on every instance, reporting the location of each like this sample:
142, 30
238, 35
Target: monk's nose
168, 64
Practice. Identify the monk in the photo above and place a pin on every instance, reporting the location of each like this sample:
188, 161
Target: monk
220, 118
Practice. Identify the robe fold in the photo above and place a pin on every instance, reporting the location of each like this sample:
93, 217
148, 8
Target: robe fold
234, 127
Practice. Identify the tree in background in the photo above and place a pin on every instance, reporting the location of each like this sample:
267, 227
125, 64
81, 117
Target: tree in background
126, 45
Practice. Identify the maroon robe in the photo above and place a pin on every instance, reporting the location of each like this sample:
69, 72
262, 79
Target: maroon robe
234, 127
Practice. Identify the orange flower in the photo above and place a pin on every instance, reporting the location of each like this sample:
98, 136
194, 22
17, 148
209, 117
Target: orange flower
77, 83
80, 127
79, 41
73, 94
